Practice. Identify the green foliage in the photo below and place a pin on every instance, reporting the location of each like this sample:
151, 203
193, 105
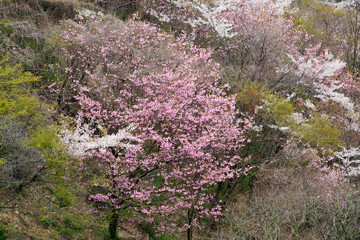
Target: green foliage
159, 181
3, 232
246, 181
322, 132
74, 222
16, 98
4, 28
2, 161
34, 43
264, 144
31, 48
104, 234
47, 141
279, 109
316, 130
68, 225
58, 163
323, 10
53, 40
25, 135
49, 221
277, 112
148, 229
64, 195
322, 21
256, 99
251, 95
308, 26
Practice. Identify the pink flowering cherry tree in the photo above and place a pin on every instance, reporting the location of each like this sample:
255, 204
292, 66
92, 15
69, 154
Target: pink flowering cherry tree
185, 140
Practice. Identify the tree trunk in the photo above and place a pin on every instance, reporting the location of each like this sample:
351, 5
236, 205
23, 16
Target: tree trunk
113, 222
214, 202
190, 233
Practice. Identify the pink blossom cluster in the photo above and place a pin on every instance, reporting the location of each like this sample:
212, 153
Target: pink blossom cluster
188, 138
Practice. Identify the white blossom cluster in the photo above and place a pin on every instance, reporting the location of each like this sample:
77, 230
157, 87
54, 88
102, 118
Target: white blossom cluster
329, 92
159, 16
317, 68
81, 140
208, 15
350, 161
326, 92
221, 26
86, 13
309, 104
344, 4
298, 118
280, 5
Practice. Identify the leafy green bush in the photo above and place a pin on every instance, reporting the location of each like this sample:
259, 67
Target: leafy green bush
3, 232
30, 150
16, 98
275, 113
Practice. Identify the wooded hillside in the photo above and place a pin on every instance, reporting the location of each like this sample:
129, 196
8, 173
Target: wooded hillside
179, 119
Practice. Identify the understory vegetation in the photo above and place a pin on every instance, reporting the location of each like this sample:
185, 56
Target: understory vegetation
177, 119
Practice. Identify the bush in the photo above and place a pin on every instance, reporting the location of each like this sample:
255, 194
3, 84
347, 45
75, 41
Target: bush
16, 98
29, 148
294, 201
3, 232
277, 118
21, 164
20, 113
